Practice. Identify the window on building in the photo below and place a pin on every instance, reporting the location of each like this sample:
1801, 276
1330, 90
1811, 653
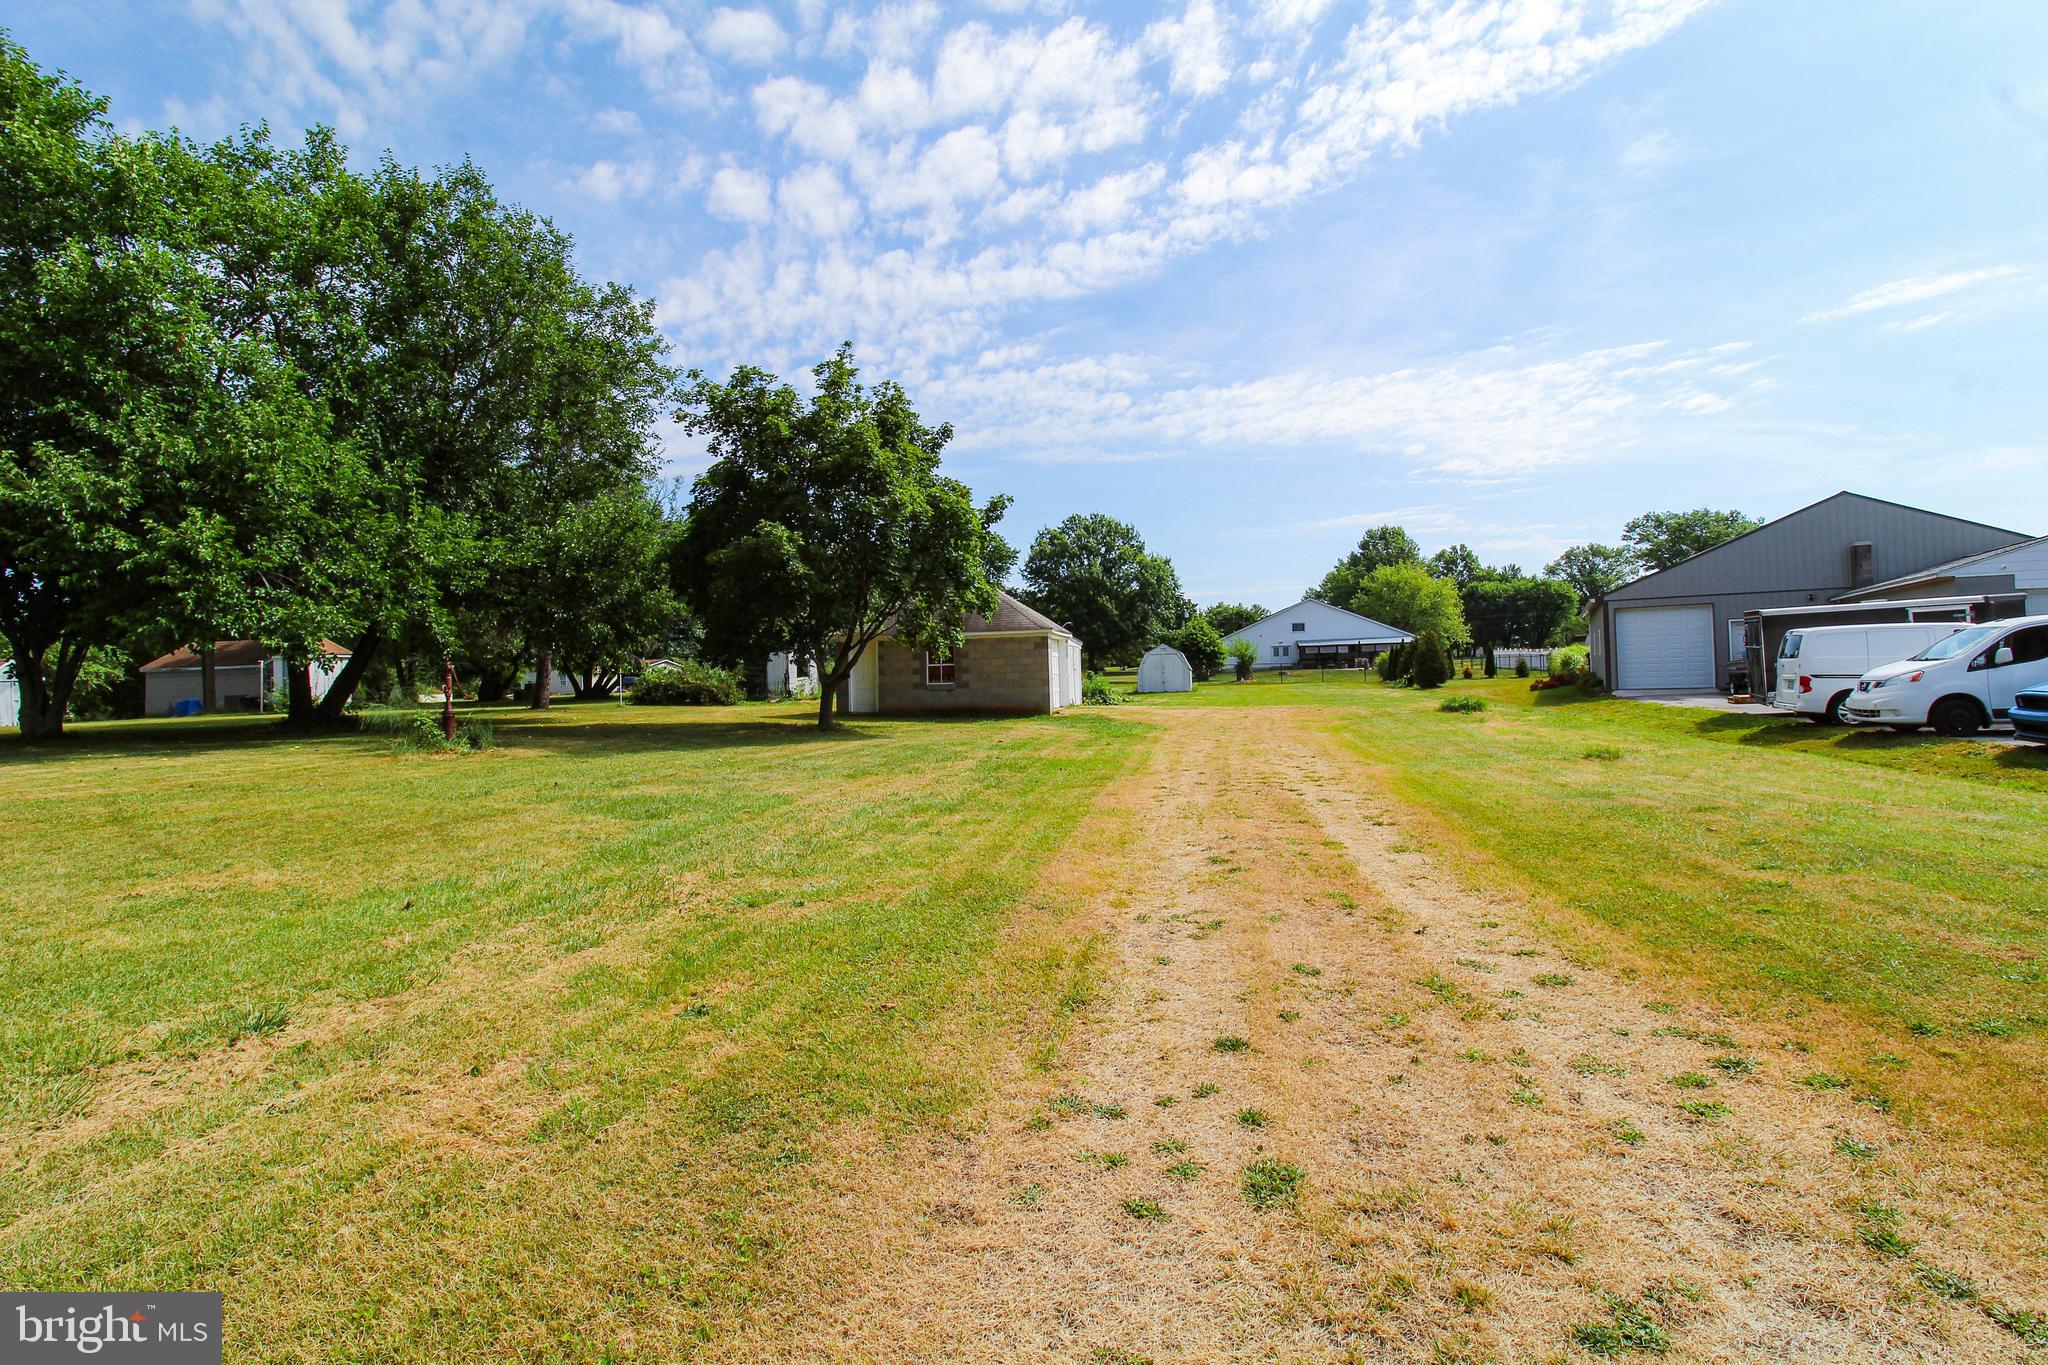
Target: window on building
1280, 651
938, 671
1297, 626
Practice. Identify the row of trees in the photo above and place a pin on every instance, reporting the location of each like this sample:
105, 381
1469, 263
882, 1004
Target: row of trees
1461, 601
247, 391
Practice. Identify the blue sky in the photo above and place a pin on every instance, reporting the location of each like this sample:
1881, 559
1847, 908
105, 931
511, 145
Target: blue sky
1255, 277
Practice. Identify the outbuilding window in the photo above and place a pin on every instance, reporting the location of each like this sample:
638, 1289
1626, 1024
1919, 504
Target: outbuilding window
1297, 626
938, 671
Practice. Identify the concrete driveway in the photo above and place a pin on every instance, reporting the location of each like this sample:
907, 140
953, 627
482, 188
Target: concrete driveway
1999, 733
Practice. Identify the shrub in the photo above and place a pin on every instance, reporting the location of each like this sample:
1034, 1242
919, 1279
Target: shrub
1395, 662
418, 730
1243, 654
691, 683
1522, 667
1466, 672
1461, 704
1096, 691
1570, 662
1492, 665
1432, 663
1202, 646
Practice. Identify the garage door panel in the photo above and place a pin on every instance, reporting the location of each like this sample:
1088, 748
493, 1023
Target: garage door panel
1664, 647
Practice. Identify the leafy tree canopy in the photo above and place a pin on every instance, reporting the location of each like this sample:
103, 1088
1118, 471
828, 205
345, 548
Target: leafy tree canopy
1229, 617
1658, 540
823, 522
1410, 597
1592, 571
1201, 643
1093, 574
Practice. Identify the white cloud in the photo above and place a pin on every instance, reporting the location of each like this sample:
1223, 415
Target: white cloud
1914, 289
1498, 413
892, 97
622, 122
739, 196
1111, 201
744, 35
610, 181
817, 203
1196, 48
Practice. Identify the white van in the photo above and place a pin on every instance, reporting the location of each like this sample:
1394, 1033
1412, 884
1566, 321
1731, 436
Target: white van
1959, 684
1818, 665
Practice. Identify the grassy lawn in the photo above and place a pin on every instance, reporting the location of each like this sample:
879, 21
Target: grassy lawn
508, 1054
1883, 898
576, 1048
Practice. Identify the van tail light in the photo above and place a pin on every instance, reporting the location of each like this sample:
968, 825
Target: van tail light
1805, 683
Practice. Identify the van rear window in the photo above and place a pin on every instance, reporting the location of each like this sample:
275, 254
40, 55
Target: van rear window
1790, 648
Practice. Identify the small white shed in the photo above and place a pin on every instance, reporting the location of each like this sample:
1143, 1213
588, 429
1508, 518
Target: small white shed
1165, 669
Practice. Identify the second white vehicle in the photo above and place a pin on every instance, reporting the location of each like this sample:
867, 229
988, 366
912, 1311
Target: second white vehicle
1818, 665
1959, 684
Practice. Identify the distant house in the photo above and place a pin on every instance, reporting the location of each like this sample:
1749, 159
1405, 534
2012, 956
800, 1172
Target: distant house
1681, 627
1312, 634
789, 676
1014, 661
243, 671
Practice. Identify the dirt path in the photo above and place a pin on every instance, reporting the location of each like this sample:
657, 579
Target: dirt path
1494, 1157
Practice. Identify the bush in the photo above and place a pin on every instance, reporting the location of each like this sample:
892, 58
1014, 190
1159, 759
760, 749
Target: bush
1467, 672
1432, 665
1461, 704
1393, 664
1522, 667
1492, 667
691, 683
1096, 691
1202, 646
1570, 662
1243, 655
418, 730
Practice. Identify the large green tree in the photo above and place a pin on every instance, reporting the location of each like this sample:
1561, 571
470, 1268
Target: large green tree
1228, 617
1592, 571
1657, 540
1517, 611
1412, 598
160, 473
1093, 574
824, 522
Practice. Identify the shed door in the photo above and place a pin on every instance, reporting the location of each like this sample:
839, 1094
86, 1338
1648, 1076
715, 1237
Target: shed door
1664, 647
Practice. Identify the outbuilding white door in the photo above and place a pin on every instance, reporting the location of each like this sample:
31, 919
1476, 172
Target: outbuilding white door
1664, 647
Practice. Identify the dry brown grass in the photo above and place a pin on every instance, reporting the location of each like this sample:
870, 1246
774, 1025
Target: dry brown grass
1466, 1193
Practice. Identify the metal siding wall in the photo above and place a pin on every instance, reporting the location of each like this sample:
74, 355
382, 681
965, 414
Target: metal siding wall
1809, 550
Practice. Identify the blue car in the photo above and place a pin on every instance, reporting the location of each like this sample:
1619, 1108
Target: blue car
2029, 714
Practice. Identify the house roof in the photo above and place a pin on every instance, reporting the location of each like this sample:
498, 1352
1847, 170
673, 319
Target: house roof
1387, 631
1011, 618
1777, 522
231, 654
1940, 571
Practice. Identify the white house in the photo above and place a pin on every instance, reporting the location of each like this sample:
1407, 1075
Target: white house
243, 674
1312, 634
10, 697
787, 677
1165, 669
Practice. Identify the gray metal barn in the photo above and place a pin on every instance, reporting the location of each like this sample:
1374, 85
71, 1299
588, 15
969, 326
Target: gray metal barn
1680, 628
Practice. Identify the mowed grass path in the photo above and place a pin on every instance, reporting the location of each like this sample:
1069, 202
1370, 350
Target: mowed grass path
1883, 898
544, 1053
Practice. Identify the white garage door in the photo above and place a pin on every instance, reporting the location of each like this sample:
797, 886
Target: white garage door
1664, 647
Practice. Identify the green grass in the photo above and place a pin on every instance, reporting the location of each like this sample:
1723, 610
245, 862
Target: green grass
1884, 886
326, 1025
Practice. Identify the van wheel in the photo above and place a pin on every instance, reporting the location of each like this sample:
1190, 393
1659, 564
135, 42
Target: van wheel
1956, 716
1835, 715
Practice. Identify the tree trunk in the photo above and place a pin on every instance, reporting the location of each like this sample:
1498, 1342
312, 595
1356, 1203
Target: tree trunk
298, 681
448, 700
46, 696
825, 696
344, 685
543, 678
209, 681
